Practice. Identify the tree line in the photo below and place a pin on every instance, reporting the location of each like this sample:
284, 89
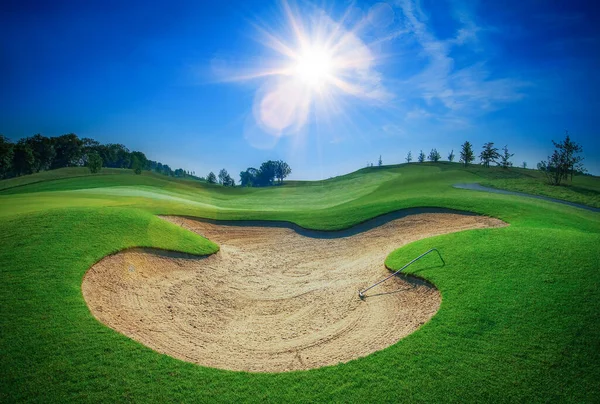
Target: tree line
561, 165
269, 173
39, 153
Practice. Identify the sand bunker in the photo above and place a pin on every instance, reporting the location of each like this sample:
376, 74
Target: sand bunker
272, 299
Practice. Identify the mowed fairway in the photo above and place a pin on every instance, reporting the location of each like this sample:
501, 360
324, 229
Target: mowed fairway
519, 318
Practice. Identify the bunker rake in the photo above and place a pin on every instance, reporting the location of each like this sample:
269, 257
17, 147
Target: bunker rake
361, 293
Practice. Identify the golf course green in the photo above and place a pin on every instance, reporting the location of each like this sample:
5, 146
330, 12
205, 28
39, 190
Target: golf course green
519, 318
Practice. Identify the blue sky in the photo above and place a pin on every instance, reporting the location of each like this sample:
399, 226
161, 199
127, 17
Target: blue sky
204, 85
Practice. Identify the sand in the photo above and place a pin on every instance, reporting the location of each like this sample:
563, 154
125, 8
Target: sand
273, 299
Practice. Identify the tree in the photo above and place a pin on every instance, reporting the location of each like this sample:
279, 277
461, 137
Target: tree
451, 156
23, 159
380, 162
466, 153
88, 146
94, 162
434, 156
489, 154
211, 178
421, 157
266, 174
553, 168
6, 156
248, 177
139, 162
409, 157
282, 170
136, 165
524, 165
43, 151
68, 150
223, 177
505, 158
569, 150
563, 161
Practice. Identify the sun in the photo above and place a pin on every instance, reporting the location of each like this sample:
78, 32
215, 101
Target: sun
314, 67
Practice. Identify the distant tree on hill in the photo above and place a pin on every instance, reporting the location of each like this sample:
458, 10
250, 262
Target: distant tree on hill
136, 165
434, 156
489, 154
524, 165
43, 152
88, 146
211, 178
94, 162
380, 162
505, 158
451, 156
409, 157
571, 161
248, 177
282, 170
466, 153
266, 174
223, 176
68, 150
140, 162
6, 156
23, 159
421, 157
563, 162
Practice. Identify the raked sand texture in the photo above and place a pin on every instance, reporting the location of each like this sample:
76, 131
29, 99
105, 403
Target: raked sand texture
270, 300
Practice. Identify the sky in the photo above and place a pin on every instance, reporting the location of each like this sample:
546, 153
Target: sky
326, 86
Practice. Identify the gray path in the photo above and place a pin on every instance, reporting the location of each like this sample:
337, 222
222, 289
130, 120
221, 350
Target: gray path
477, 187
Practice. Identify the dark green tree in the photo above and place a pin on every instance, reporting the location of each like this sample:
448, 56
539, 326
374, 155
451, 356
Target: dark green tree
23, 159
409, 157
6, 156
563, 162
379, 162
43, 152
94, 162
139, 162
434, 156
248, 177
451, 156
211, 178
68, 150
489, 154
266, 174
421, 157
282, 170
136, 165
224, 177
569, 151
505, 158
88, 146
466, 153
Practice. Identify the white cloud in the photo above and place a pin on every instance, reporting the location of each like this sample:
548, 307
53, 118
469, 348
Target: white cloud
451, 94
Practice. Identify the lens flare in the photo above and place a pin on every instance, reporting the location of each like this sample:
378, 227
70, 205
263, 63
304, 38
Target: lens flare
314, 67
316, 61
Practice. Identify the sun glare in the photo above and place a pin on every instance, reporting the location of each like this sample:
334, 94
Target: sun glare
314, 67
315, 62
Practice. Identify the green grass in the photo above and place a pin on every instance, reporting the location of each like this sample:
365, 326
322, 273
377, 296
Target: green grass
519, 320
583, 189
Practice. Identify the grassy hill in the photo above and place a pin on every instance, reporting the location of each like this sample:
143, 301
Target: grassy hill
519, 321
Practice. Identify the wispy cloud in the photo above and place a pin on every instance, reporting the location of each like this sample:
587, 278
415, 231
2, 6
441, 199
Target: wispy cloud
451, 93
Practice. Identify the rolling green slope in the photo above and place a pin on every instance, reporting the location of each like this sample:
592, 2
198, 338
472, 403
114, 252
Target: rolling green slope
519, 320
